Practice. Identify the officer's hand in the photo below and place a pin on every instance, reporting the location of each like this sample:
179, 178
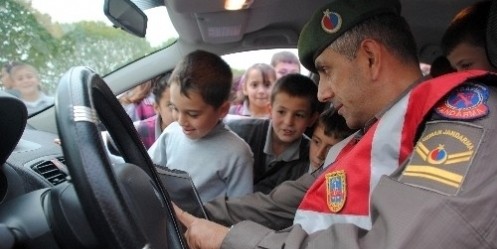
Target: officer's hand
201, 233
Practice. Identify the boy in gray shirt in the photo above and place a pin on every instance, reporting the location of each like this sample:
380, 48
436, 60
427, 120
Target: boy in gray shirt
218, 161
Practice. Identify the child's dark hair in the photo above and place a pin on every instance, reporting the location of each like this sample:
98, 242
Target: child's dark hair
159, 85
298, 85
334, 124
206, 73
469, 25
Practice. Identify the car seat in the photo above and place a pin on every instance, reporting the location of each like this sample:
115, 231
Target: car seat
14, 118
492, 34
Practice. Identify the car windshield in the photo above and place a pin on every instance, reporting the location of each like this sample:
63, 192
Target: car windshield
48, 39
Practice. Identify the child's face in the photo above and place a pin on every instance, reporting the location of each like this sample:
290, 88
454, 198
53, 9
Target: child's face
258, 91
163, 109
196, 117
466, 56
290, 117
320, 145
25, 80
284, 68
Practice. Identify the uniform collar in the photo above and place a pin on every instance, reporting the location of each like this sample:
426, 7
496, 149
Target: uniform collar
378, 116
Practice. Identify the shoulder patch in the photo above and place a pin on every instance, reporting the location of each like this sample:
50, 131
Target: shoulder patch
466, 102
336, 190
442, 156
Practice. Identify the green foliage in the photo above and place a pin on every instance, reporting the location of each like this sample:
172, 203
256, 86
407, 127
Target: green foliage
97, 46
53, 48
23, 38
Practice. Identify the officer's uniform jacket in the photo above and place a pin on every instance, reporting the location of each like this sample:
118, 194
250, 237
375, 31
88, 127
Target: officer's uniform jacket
442, 196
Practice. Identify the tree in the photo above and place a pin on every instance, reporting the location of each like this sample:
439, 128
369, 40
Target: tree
23, 38
53, 47
98, 46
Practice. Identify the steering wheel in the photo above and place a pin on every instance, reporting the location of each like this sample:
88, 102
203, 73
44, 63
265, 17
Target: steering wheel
126, 205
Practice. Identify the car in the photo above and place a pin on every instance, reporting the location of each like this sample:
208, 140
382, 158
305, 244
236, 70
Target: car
58, 189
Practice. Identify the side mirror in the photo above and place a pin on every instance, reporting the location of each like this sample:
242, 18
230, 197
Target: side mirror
125, 15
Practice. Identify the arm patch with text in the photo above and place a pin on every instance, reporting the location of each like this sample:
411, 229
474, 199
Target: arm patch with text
442, 156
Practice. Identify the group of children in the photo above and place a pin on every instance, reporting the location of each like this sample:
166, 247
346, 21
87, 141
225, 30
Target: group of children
254, 87
149, 129
229, 158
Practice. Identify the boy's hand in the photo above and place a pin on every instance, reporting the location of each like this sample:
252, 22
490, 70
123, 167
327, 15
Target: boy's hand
201, 233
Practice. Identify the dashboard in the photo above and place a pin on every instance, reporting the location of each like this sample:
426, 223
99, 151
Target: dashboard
37, 162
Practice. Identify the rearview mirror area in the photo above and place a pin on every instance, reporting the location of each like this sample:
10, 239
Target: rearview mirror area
125, 15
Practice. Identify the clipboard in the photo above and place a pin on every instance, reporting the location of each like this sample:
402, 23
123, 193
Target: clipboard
182, 190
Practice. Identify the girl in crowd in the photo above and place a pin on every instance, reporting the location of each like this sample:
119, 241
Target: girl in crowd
150, 129
26, 80
256, 84
139, 101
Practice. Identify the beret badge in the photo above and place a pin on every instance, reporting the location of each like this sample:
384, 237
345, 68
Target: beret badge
331, 21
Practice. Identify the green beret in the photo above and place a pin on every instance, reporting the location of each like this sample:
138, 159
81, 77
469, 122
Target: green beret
332, 20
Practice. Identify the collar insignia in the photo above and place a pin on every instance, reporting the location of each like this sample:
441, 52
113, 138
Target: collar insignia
336, 190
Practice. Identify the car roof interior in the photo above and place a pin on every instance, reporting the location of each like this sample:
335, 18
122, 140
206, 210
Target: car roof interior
277, 23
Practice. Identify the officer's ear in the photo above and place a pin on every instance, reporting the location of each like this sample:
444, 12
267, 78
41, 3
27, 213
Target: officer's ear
372, 52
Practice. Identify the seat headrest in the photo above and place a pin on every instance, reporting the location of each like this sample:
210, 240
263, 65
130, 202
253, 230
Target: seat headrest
13, 118
492, 34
